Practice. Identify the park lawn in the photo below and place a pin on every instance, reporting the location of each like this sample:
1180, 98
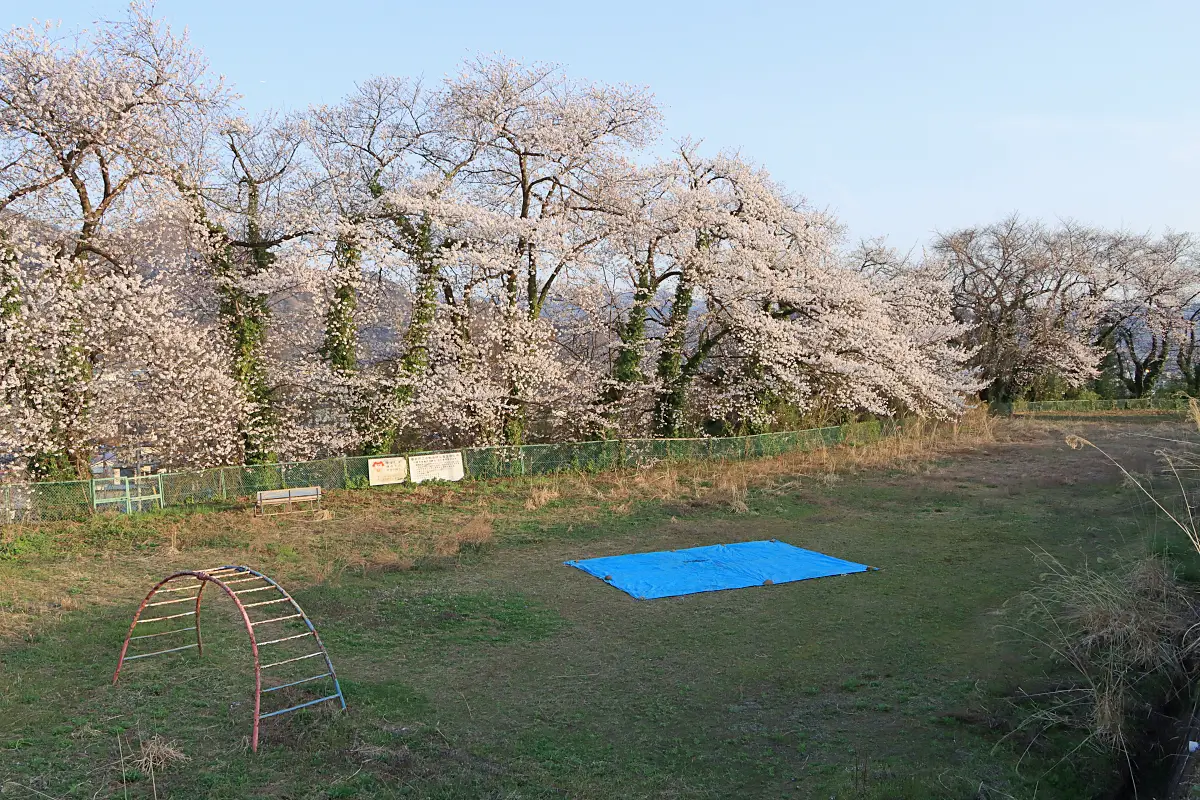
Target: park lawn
501, 673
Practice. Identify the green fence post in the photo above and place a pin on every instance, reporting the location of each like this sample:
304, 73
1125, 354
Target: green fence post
92, 493
221, 480
128, 497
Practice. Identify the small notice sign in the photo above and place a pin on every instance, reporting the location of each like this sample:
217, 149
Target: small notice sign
436, 467
386, 470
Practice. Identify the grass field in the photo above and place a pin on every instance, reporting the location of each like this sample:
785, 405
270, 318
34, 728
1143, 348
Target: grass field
476, 665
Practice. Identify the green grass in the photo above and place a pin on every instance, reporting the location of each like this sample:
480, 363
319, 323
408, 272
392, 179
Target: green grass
504, 674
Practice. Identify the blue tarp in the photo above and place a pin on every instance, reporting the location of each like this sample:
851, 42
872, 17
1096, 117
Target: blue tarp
671, 573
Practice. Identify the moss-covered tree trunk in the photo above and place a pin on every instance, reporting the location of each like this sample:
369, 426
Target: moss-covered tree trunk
339, 348
672, 373
626, 368
424, 304
244, 316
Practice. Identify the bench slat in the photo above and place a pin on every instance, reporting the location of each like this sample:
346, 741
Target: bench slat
279, 497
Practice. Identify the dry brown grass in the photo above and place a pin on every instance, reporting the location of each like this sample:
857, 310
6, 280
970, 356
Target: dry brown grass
732, 490
157, 754
541, 495
1124, 633
475, 534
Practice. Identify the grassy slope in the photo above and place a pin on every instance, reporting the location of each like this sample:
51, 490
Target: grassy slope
504, 674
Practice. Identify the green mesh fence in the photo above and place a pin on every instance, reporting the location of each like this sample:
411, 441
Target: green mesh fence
36, 502
1129, 404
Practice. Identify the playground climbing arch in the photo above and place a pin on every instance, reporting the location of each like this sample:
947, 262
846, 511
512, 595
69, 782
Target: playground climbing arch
283, 640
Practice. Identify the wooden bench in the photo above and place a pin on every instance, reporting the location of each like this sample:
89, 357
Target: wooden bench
286, 497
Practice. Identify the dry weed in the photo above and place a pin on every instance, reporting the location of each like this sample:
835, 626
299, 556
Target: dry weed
540, 496
158, 753
475, 534
372, 752
1121, 632
658, 484
86, 731
731, 490
386, 560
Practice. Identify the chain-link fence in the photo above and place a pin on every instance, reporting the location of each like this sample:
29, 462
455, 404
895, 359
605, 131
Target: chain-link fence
1129, 404
31, 502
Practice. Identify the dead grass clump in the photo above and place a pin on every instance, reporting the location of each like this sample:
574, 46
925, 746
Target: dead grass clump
475, 534
86, 731
157, 753
540, 496
659, 484
732, 491
1125, 637
386, 560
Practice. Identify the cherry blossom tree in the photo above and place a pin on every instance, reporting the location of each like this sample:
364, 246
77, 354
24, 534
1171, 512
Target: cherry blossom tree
743, 289
91, 126
1033, 298
1147, 319
253, 219
490, 259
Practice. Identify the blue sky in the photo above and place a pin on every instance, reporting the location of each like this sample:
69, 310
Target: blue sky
903, 117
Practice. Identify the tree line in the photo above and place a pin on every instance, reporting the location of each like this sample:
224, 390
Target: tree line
501, 256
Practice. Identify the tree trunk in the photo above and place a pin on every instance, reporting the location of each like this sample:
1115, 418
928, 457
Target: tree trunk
244, 317
627, 366
424, 309
673, 377
340, 346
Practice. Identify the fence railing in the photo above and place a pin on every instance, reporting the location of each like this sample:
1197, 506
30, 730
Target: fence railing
1130, 404
69, 500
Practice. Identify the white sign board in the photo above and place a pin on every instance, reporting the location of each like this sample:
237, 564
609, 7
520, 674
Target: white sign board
436, 467
386, 470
